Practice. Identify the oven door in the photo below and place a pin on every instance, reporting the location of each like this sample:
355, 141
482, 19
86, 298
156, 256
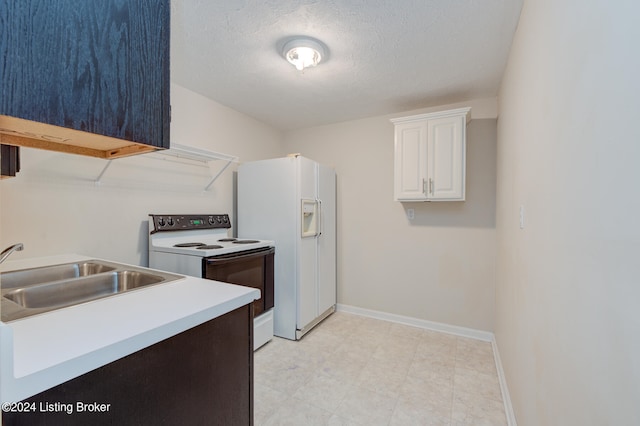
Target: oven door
250, 268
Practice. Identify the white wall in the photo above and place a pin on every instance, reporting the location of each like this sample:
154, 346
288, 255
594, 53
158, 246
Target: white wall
54, 206
568, 284
440, 266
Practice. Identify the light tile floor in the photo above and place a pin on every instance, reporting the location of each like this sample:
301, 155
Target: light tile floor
354, 370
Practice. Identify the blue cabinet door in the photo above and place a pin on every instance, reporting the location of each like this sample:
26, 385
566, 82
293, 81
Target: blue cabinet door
95, 66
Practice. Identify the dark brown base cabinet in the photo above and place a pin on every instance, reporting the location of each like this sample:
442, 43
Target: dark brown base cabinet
203, 376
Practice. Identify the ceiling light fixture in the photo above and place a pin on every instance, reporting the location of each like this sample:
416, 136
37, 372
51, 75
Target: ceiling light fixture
303, 52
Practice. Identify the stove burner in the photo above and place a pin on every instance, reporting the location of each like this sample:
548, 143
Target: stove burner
189, 245
246, 242
214, 246
224, 240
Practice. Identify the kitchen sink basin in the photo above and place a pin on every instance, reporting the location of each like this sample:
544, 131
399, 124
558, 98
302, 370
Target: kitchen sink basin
28, 277
33, 291
71, 292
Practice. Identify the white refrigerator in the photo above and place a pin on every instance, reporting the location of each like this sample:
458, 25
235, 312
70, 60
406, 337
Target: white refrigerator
292, 201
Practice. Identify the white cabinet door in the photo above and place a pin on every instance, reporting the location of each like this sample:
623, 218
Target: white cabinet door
446, 158
430, 156
410, 167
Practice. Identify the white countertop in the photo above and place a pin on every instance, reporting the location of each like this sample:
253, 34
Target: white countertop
42, 351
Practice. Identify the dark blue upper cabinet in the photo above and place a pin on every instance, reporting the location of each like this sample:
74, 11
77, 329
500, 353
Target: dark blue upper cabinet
87, 77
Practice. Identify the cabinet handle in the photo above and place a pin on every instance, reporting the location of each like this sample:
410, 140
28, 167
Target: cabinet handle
424, 186
430, 186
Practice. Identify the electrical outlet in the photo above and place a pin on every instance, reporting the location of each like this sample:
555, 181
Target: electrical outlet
410, 214
521, 217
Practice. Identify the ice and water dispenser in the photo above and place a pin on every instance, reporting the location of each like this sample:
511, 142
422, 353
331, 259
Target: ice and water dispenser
310, 213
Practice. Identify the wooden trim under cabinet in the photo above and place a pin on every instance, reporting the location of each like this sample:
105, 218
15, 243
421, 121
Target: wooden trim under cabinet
31, 134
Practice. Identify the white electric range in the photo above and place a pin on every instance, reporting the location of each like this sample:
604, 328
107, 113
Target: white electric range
199, 245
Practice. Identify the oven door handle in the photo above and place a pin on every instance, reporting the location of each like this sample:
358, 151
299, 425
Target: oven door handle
239, 257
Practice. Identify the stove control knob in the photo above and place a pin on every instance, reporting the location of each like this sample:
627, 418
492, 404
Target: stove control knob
160, 221
211, 220
225, 218
170, 221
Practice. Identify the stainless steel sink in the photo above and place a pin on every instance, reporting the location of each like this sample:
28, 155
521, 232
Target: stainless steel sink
27, 277
38, 290
71, 292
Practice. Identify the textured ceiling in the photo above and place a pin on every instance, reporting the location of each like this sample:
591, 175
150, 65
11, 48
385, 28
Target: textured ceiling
384, 56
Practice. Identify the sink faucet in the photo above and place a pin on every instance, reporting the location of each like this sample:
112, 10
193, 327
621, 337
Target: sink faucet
6, 252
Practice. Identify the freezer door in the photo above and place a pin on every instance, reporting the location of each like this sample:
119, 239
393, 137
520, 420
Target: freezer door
317, 286
268, 209
307, 289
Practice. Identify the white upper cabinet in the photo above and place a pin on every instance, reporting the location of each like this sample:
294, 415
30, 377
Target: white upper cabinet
410, 161
430, 156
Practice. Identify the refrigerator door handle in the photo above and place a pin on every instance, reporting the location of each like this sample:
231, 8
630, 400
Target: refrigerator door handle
319, 202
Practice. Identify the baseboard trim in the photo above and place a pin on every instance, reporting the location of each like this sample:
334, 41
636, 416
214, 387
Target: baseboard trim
485, 336
506, 398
